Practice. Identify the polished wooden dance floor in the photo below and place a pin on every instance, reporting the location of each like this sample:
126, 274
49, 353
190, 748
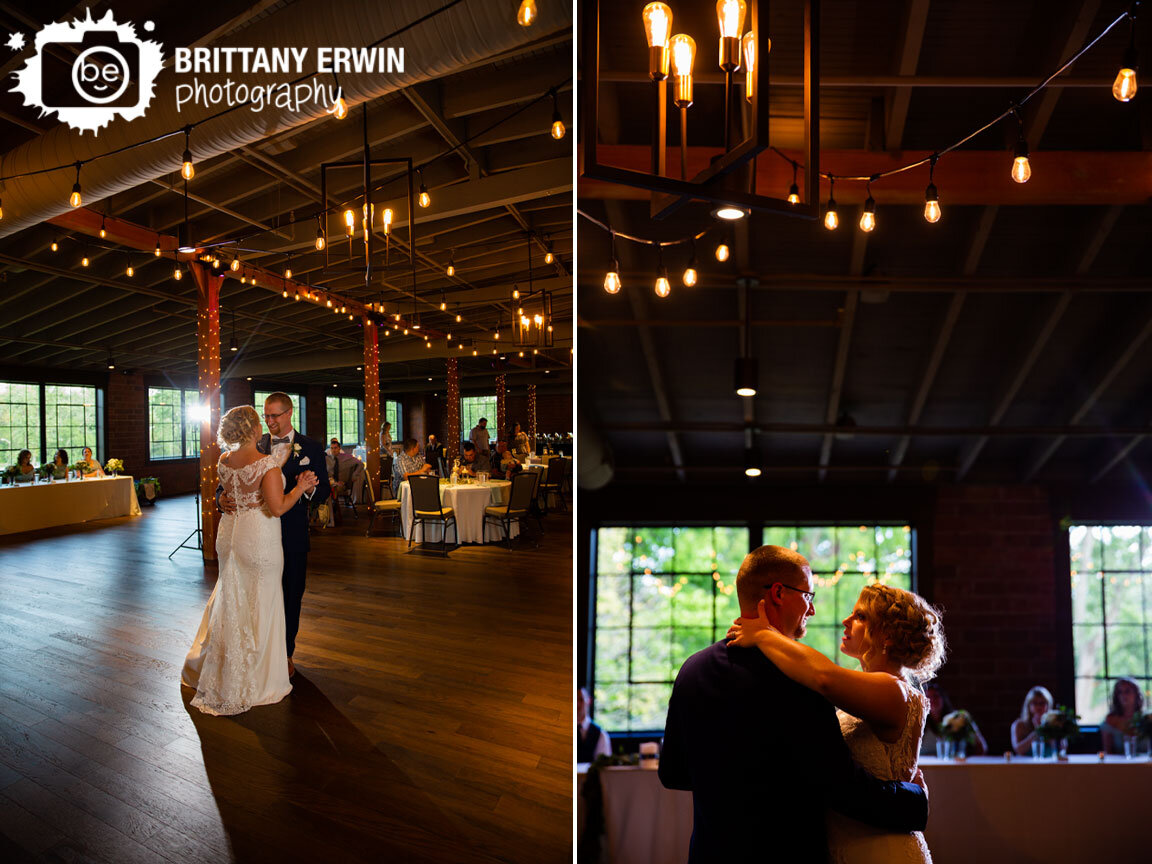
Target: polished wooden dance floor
430, 721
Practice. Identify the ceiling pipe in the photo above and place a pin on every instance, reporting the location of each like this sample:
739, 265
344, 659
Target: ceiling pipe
460, 37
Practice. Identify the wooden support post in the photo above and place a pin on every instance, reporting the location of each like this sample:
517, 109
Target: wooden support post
503, 433
372, 398
452, 433
532, 417
208, 375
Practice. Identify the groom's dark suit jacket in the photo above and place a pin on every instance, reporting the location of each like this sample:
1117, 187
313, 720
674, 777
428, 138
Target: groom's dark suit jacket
294, 523
764, 758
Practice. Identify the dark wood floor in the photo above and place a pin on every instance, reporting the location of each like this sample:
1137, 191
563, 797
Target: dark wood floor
430, 721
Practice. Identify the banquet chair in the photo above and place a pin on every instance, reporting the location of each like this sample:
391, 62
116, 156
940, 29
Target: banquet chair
519, 500
442, 465
388, 503
551, 483
427, 507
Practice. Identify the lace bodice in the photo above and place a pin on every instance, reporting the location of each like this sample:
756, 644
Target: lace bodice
243, 483
896, 761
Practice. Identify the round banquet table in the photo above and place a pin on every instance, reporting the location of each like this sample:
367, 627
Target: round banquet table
468, 501
29, 507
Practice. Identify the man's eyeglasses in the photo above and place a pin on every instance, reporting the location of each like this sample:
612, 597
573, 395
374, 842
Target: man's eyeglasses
809, 596
274, 416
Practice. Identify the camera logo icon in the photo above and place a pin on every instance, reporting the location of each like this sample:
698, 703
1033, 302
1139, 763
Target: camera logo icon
112, 73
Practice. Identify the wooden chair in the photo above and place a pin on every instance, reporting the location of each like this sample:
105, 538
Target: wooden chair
552, 483
427, 508
387, 504
517, 508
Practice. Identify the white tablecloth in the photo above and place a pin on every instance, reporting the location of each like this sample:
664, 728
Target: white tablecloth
29, 507
983, 810
468, 501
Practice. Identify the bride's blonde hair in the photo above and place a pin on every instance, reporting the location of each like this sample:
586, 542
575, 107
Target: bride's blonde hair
907, 625
237, 426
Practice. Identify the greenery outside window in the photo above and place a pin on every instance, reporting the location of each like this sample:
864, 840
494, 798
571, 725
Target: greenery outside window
19, 421
1111, 570
472, 408
345, 421
173, 423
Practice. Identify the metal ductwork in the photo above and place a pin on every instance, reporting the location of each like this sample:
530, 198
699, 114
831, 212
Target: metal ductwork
466, 34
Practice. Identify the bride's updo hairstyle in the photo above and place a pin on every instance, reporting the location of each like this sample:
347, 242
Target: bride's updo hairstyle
908, 625
237, 426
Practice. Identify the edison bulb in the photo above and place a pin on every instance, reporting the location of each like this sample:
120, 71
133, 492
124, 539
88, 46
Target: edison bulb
288, 273
74, 199
748, 49
451, 270
425, 198
558, 129
867, 220
831, 220
1021, 170
388, 216
690, 276
932, 210
84, 261
794, 194
130, 272
1124, 87
612, 282
722, 252
156, 251
235, 263
657, 24
103, 232
187, 171
730, 15
349, 220
177, 275
55, 246
319, 241
515, 293
340, 108
549, 257
663, 289
526, 14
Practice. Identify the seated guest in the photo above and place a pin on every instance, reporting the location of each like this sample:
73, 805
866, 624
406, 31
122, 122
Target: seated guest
434, 450
1037, 703
407, 464
60, 464
472, 461
25, 473
939, 707
341, 467
519, 442
592, 741
506, 465
93, 469
386, 438
1127, 701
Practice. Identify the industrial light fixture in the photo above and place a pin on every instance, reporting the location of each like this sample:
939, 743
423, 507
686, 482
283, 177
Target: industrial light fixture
748, 49
729, 213
793, 190
690, 274
74, 199
450, 270
235, 264
751, 463
868, 217
558, 129
931, 197
103, 230
683, 50
746, 376
1124, 87
176, 274
156, 251
831, 220
111, 362
526, 14
657, 28
722, 251
1021, 168
663, 287
187, 171
425, 199
319, 235
55, 246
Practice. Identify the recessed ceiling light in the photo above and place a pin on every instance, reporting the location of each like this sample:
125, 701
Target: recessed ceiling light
729, 213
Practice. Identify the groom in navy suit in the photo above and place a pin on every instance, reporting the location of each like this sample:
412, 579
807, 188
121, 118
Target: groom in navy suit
306, 455
762, 755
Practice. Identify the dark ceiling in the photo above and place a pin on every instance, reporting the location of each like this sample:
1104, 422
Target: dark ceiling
1008, 342
500, 186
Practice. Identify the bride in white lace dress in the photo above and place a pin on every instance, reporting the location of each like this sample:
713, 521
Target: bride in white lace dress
238, 658
896, 635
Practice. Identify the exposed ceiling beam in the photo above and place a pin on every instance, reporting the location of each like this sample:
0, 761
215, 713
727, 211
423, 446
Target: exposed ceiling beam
734, 428
835, 389
928, 377
1025, 368
1117, 367
874, 82
1120, 456
1104, 225
915, 21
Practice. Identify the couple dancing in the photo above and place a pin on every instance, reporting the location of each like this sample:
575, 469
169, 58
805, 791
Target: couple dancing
776, 774
242, 654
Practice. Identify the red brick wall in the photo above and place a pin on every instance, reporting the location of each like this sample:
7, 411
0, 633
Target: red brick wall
237, 391
994, 572
127, 437
315, 406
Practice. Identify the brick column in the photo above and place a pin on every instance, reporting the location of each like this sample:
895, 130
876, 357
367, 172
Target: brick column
208, 376
532, 417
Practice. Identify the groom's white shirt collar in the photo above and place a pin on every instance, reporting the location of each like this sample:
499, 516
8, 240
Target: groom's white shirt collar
291, 436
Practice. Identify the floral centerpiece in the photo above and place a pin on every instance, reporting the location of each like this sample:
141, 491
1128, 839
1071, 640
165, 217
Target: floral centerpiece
79, 467
1059, 724
10, 473
46, 470
1140, 726
957, 726
114, 466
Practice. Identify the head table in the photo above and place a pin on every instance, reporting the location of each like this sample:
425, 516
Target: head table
31, 506
984, 810
468, 501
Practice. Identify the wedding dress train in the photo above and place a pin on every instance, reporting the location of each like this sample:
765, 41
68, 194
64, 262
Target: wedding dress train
239, 658
853, 842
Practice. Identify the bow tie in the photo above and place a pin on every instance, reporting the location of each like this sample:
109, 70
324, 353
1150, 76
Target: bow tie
280, 440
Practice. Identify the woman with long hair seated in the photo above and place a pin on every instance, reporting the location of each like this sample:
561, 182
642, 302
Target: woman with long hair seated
25, 473
1127, 701
897, 637
60, 464
1037, 703
939, 707
93, 469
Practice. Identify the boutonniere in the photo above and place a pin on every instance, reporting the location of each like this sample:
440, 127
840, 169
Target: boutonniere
296, 450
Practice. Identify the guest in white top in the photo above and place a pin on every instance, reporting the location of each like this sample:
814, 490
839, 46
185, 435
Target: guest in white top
1036, 704
519, 443
93, 469
1127, 702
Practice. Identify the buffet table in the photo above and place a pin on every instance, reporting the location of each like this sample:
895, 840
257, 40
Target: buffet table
31, 506
468, 501
984, 809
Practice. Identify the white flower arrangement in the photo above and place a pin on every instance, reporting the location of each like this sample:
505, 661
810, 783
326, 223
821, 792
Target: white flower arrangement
957, 726
296, 449
114, 465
